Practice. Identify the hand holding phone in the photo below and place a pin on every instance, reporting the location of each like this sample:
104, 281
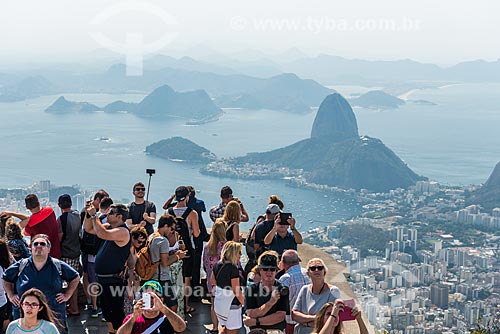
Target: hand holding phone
146, 300
346, 314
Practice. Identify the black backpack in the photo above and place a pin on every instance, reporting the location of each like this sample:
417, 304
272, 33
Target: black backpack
181, 226
90, 243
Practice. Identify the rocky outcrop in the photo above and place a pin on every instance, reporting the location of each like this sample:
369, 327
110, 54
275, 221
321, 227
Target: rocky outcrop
377, 99
335, 155
180, 149
63, 106
335, 120
489, 194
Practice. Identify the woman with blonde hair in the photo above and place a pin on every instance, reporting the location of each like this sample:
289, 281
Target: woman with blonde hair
232, 219
211, 255
229, 299
328, 319
312, 296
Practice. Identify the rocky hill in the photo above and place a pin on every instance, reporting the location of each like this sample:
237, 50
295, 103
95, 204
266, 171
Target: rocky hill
162, 102
180, 149
63, 106
335, 155
377, 99
489, 194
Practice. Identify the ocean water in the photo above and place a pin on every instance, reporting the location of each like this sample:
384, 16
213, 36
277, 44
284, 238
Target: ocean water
66, 150
455, 142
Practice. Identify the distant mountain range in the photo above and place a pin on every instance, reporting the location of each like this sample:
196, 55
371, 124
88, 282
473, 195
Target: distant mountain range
163, 101
489, 194
335, 155
236, 82
285, 92
27, 88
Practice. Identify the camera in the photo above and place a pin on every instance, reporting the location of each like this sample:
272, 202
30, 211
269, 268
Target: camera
284, 290
284, 216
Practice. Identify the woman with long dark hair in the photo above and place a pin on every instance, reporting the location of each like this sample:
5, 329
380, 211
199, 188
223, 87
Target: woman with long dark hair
17, 246
36, 315
5, 305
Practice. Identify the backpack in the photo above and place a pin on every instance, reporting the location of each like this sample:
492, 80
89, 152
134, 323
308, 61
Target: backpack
144, 267
75, 216
181, 226
24, 262
90, 243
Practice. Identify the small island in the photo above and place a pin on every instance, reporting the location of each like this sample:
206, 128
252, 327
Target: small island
63, 106
180, 149
161, 103
377, 99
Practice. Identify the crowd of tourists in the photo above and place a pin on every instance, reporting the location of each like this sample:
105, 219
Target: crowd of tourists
142, 271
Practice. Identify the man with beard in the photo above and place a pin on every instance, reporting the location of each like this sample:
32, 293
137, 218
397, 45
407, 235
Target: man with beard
111, 260
43, 272
141, 212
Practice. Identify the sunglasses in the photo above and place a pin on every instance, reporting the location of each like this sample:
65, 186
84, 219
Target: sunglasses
136, 237
269, 269
314, 268
30, 305
140, 189
42, 243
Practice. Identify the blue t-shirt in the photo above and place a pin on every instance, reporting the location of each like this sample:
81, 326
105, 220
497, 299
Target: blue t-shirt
280, 244
47, 280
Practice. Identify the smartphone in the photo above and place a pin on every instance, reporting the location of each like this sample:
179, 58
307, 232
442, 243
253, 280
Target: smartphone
146, 299
346, 315
284, 218
150, 171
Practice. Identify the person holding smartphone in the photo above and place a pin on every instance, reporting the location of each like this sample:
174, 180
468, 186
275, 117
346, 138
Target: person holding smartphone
280, 238
328, 319
151, 315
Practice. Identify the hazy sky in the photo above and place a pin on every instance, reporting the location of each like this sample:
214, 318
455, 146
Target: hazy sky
443, 31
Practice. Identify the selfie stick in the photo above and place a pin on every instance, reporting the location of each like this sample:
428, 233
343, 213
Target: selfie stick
150, 172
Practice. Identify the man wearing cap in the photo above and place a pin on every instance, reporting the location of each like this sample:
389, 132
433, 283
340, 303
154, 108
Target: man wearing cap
141, 212
226, 195
69, 224
191, 217
280, 238
156, 319
295, 277
267, 302
263, 228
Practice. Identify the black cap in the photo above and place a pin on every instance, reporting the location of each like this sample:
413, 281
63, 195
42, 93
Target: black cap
268, 261
64, 200
181, 193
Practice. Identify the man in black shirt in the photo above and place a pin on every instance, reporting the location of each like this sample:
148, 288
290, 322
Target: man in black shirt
267, 302
141, 212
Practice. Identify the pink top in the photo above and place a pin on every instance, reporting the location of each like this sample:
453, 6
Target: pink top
209, 261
